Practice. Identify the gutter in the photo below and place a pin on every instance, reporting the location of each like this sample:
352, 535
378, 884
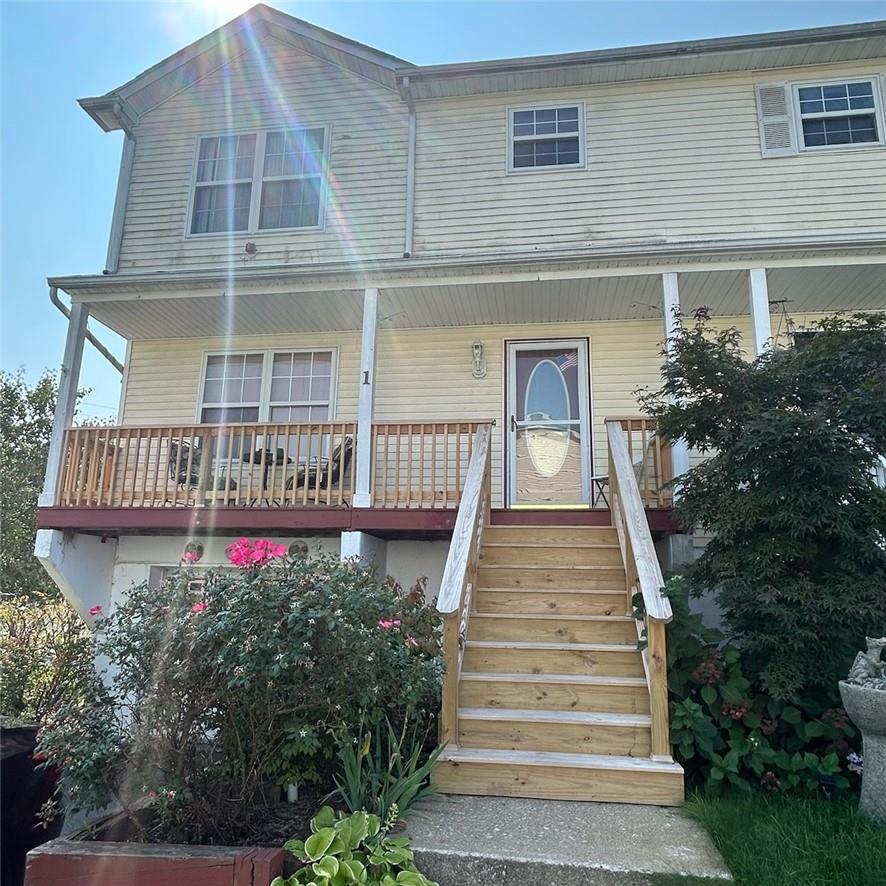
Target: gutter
53, 297
361, 273
112, 263
406, 95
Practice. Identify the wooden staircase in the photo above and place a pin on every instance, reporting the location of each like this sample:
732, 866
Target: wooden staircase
553, 700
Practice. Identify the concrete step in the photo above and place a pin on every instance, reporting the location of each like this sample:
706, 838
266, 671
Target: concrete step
514, 657
552, 692
467, 841
566, 732
527, 601
552, 628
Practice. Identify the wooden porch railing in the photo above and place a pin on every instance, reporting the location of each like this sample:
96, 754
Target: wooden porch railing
414, 465
455, 600
643, 574
420, 464
237, 464
650, 458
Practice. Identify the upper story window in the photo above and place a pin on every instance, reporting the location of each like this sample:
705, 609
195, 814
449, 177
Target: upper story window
542, 138
284, 386
260, 181
837, 114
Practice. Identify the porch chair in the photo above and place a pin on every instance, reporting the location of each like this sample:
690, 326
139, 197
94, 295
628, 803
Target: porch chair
187, 480
328, 471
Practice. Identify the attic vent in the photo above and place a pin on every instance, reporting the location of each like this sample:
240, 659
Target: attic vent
775, 120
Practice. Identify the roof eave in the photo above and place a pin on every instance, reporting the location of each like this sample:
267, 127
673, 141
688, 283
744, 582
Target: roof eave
110, 112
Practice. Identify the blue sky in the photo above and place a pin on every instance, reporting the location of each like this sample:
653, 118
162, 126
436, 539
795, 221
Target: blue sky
59, 169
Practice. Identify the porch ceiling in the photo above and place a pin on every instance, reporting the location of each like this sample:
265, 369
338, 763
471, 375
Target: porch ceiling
569, 300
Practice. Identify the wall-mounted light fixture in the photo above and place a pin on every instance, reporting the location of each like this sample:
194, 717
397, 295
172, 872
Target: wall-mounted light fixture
478, 363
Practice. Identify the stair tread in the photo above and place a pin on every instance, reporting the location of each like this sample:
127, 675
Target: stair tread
571, 647
573, 679
550, 544
552, 527
580, 718
550, 616
549, 566
550, 758
523, 590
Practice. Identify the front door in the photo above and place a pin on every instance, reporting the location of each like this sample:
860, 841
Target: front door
548, 423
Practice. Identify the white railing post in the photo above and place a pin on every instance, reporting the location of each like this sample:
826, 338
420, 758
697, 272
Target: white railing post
68, 380
365, 454
671, 308
758, 291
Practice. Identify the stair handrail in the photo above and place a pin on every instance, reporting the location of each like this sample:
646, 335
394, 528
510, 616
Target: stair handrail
643, 574
455, 600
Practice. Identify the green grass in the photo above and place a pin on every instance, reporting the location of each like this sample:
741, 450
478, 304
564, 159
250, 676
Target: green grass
775, 841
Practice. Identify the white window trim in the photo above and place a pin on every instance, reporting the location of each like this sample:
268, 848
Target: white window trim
873, 79
264, 404
257, 181
510, 169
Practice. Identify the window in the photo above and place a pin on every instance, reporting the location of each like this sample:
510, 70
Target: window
837, 114
274, 386
260, 181
542, 138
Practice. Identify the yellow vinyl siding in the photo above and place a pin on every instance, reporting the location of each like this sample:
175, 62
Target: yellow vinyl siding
671, 159
366, 198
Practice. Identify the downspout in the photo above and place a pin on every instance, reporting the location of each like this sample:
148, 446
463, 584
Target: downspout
112, 263
53, 297
406, 95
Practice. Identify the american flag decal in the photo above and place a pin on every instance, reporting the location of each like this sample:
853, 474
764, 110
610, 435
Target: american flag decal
568, 361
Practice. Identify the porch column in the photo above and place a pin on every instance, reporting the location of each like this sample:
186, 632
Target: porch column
671, 308
758, 290
362, 490
68, 380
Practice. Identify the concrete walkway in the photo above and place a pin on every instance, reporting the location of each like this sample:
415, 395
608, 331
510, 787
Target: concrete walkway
465, 841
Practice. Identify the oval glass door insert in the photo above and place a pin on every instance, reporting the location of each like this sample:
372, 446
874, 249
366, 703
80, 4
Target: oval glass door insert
547, 400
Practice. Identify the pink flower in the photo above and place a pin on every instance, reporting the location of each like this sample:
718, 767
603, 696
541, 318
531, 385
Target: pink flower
96, 610
191, 556
411, 641
246, 554
198, 607
152, 795
387, 624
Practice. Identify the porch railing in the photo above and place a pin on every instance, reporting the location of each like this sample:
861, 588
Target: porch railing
415, 465
456, 598
643, 575
650, 459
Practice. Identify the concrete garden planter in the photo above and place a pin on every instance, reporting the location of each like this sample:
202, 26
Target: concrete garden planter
864, 697
110, 863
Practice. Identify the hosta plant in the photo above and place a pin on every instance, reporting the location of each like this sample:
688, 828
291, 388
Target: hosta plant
352, 849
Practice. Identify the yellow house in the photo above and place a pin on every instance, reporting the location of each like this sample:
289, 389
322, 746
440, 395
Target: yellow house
401, 313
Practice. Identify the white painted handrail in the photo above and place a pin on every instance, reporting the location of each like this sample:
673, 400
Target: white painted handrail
453, 582
633, 518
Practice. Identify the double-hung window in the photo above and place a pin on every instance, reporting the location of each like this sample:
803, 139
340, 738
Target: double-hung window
545, 137
838, 114
277, 386
260, 181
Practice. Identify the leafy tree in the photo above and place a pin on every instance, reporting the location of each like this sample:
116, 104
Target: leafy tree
787, 491
26, 414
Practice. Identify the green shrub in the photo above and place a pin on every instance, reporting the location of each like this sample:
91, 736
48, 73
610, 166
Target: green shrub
352, 849
385, 771
727, 731
45, 657
787, 493
221, 681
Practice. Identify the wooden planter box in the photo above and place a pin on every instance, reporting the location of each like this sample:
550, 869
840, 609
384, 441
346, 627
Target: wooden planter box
72, 861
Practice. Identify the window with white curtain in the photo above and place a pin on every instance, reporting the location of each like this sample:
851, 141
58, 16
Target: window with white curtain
260, 181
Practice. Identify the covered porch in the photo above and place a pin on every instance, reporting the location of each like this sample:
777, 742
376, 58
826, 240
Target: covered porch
544, 356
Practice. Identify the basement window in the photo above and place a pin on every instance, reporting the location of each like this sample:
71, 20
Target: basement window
260, 181
545, 138
837, 115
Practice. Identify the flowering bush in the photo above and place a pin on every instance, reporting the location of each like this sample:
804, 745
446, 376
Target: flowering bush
727, 731
219, 686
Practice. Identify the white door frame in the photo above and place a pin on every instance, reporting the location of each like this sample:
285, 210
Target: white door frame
582, 347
